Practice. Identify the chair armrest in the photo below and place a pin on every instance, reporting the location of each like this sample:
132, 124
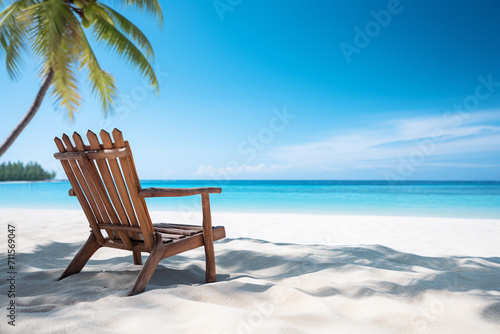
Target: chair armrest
71, 192
177, 192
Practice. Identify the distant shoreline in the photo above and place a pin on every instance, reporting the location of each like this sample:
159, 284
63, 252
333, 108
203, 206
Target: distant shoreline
464, 199
36, 181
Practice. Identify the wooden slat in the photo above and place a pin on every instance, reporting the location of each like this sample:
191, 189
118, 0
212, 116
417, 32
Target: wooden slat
110, 185
117, 243
177, 192
81, 179
119, 181
79, 195
118, 133
126, 228
93, 154
175, 231
133, 187
195, 241
110, 215
84, 185
137, 181
179, 226
172, 236
95, 185
179, 246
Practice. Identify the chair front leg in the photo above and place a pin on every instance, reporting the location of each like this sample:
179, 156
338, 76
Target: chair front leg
208, 239
81, 258
149, 267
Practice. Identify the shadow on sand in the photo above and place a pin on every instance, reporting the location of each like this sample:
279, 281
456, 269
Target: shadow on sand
38, 272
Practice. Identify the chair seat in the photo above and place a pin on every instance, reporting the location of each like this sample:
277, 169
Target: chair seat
172, 232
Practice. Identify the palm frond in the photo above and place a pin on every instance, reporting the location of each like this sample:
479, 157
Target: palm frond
58, 45
53, 29
116, 41
102, 83
14, 36
65, 88
99, 11
130, 29
65, 83
150, 6
50, 19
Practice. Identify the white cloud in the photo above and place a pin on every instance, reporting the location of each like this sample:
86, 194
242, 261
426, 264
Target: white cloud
465, 165
386, 143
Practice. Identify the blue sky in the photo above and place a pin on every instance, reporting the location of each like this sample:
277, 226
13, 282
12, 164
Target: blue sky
397, 90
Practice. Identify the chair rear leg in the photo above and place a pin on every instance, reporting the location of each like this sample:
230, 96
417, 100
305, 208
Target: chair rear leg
137, 257
209, 261
149, 267
81, 258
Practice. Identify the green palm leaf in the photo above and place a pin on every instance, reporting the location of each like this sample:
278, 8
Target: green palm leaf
102, 83
52, 30
116, 41
150, 6
56, 42
14, 36
130, 29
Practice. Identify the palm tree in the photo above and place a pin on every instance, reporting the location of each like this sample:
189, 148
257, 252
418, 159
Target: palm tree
54, 30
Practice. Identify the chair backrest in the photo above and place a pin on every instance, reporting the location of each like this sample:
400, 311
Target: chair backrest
105, 181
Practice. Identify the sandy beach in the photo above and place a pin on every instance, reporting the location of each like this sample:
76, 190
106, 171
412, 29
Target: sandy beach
276, 273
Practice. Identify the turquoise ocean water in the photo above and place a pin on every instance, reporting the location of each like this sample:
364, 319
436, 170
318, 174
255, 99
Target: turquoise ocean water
407, 198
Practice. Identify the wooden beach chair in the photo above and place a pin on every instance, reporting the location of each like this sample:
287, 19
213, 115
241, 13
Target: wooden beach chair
105, 182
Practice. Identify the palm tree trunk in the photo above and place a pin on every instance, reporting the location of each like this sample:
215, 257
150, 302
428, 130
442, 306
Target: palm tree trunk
30, 114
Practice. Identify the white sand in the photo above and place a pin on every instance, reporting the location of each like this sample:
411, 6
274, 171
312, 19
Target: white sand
277, 273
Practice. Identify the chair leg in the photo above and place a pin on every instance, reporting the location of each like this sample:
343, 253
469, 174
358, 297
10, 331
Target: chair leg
209, 261
208, 242
149, 267
81, 258
137, 257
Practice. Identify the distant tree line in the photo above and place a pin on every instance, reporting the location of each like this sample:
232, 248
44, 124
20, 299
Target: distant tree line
17, 171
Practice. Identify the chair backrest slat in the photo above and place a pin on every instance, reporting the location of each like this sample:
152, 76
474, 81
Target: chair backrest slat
89, 213
106, 189
119, 181
134, 186
114, 207
89, 180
